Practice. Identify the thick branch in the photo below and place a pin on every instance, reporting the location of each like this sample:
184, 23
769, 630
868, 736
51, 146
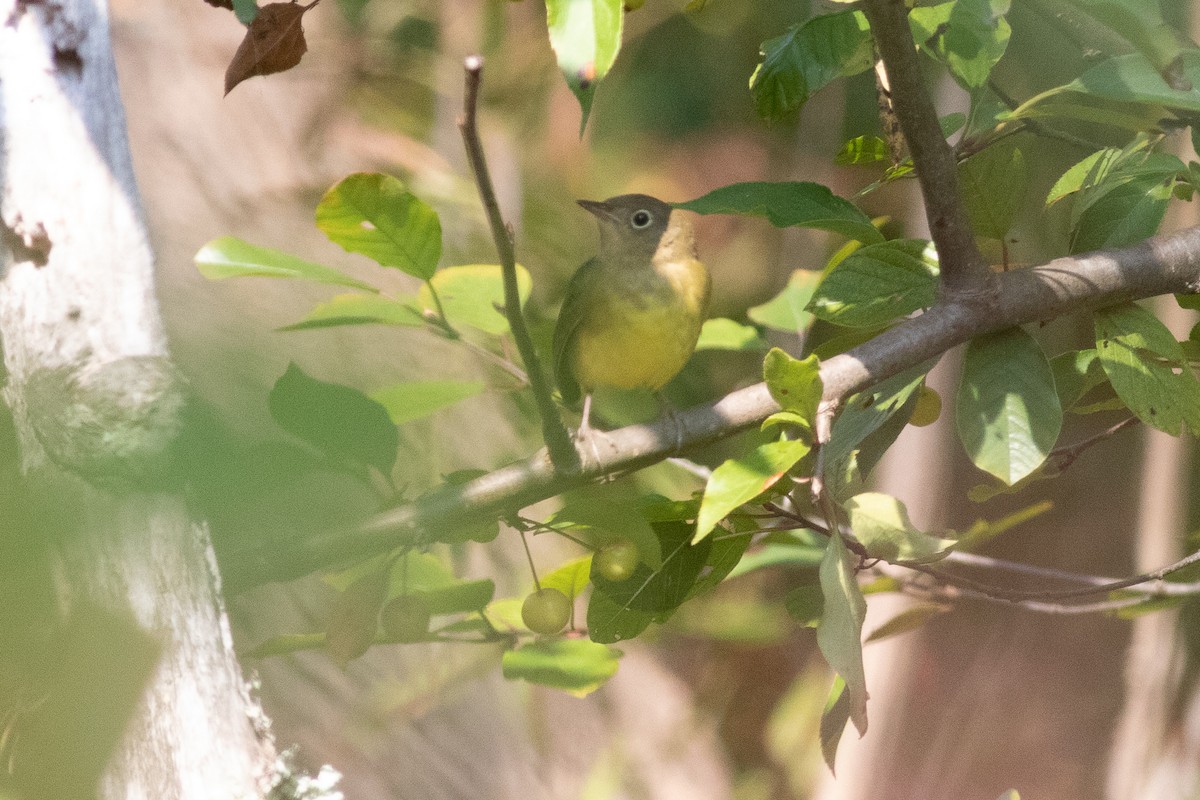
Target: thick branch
963, 269
558, 441
1160, 265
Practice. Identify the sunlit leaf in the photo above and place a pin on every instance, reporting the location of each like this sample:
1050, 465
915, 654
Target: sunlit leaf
970, 36
877, 284
866, 149
800, 204
1146, 367
739, 480
230, 257
570, 578
474, 295
406, 402
726, 334
585, 35
833, 720
786, 311
994, 183
881, 523
839, 633
795, 384
356, 308
374, 215
577, 666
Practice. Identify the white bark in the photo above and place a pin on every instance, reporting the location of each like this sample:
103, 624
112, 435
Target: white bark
94, 396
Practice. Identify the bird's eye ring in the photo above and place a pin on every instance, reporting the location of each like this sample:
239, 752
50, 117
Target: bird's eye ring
641, 219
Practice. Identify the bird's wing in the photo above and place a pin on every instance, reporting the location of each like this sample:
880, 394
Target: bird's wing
570, 317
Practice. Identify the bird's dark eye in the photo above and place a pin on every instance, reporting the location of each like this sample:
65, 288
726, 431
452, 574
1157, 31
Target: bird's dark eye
642, 219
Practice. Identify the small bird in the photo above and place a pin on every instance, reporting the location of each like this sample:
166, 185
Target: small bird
632, 314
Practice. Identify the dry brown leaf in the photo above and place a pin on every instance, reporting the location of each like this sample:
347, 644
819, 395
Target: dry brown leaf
274, 42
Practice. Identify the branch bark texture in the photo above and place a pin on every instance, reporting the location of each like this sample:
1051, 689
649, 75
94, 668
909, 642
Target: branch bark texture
1161, 265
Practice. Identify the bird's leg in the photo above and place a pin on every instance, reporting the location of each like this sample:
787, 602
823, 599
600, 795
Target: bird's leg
668, 411
585, 432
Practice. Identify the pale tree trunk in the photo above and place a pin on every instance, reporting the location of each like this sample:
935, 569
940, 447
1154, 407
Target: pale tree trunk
97, 405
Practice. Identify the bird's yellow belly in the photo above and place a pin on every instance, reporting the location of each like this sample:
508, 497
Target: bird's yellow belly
632, 348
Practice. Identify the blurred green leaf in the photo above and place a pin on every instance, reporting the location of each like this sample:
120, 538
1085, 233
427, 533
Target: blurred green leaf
474, 295
1007, 409
910, 619
1141, 23
360, 309
613, 513
839, 633
801, 204
1126, 214
586, 36
340, 421
741, 479
570, 578
230, 257
1146, 367
726, 334
354, 620
786, 311
881, 523
805, 604
577, 666
406, 402
866, 149
833, 721
877, 284
1075, 374
374, 215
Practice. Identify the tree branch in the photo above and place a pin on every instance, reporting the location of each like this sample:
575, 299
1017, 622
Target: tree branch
964, 272
1160, 265
554, 433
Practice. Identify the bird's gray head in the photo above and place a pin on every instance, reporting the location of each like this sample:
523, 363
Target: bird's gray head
631, 225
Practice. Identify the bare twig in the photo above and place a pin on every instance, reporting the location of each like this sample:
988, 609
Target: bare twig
558, 442
964, 272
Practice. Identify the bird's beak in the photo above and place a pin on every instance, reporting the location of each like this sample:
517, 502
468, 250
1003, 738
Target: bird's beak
601, 210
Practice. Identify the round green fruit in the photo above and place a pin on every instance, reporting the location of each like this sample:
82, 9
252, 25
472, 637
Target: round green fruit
546, 611
927, 409
406, 618
617, 560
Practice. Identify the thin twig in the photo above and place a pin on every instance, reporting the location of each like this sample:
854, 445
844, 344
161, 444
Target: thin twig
558, 442
964, 272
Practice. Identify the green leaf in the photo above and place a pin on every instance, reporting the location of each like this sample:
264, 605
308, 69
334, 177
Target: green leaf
726, 334
427, 575
877, 284
573, 665
1146, 367
340, 421
354, 620
994, 183
406, 402
1075, 374
910, 619
794, 383
1008, 414
1141, 23
612, 511
723, 559
833, 721
586, 36
355, 308
230, 257
803, 553
839, 633
865, 149
806, 58
869, 423
570, 578
801, 204
969, 36
620, 610
245, 11
1127, 214
740, 480
473, 295
805, 604
374, 215
786, 311
881, 523
1084, 174
1131, 89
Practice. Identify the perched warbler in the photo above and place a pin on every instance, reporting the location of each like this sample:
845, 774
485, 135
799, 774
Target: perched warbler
632, 314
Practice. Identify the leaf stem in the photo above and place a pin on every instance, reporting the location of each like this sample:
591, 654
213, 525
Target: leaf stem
562, 451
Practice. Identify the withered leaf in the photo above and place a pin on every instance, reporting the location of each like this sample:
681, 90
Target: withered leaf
274, 42
221, 4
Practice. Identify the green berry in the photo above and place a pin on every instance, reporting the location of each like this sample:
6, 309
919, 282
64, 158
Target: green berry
617, 560
546, 611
